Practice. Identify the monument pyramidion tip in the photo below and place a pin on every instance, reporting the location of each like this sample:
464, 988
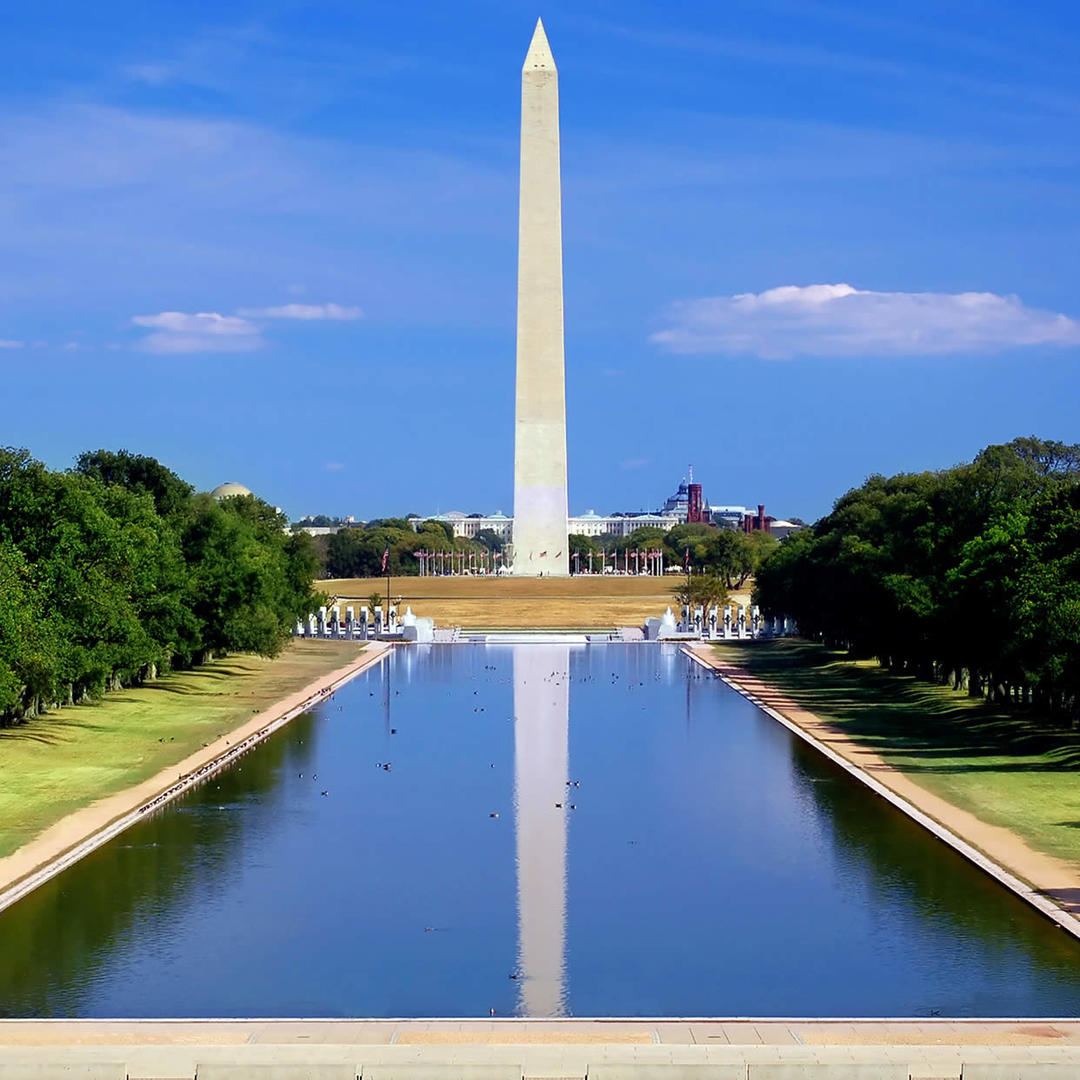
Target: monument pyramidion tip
539, 54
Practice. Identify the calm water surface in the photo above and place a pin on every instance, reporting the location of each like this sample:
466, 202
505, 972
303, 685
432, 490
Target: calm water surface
703, 862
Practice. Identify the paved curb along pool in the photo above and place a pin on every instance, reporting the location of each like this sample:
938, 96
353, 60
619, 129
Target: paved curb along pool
26, 885
1038, 900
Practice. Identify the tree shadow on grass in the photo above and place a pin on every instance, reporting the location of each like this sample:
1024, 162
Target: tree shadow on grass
934, 728
49, 728
195, 682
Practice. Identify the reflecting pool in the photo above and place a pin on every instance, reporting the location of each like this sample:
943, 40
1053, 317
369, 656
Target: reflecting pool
535, 830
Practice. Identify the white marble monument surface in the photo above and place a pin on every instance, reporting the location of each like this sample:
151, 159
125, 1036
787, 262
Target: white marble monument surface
540, 507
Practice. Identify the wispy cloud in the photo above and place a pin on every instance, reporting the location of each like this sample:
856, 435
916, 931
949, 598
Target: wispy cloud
149, 74
864, 65
838, 320
156, 205
8, 344
205, 331
635, 463
303, 311
334, 466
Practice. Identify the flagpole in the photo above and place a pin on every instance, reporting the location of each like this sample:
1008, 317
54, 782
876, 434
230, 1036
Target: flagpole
388, 583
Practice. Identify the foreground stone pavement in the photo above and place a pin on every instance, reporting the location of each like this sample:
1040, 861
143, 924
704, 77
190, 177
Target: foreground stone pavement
512, 1049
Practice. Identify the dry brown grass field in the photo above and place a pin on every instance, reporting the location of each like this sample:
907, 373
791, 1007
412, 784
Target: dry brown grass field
597, 602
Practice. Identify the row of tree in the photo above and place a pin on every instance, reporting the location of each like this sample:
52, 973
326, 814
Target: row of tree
733, 557
969, 575
357, 551
116, 569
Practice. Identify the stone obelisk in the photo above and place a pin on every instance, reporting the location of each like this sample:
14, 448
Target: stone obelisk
540, 538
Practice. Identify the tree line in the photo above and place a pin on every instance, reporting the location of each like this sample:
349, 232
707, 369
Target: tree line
357, 550
730, 556
115, 570
968, 575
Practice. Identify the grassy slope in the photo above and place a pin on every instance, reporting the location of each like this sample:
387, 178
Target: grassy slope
1002, 767
67, 759
584, 602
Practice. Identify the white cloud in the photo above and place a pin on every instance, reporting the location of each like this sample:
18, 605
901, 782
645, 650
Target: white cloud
7, 344
303, 311
206, 331
838, 320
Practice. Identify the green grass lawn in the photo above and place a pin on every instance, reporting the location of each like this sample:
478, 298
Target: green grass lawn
70, 758
1004, 767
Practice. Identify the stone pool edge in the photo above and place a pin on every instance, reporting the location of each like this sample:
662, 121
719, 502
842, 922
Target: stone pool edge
1039, 898
574, 1049
152, 794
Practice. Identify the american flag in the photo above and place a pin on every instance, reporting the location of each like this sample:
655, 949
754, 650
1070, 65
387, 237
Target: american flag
386, 558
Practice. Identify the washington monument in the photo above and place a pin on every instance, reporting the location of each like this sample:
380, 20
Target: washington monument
540, 537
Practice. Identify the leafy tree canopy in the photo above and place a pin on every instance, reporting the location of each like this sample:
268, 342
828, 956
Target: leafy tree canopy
970, 573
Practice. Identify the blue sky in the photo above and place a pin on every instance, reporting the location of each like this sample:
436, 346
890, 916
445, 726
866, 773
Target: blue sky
276, 242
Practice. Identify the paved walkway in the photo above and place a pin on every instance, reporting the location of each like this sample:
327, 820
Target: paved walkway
543, 1048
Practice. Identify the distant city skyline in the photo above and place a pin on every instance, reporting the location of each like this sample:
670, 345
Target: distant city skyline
677, 496
276, 244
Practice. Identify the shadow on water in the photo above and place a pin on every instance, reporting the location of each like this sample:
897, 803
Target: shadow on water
594, 830
916, 879
54, 943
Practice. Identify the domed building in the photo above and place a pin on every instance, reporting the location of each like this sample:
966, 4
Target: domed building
227, 491
678, 503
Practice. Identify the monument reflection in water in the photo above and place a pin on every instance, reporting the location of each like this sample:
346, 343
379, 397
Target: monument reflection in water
542, 798
714, 866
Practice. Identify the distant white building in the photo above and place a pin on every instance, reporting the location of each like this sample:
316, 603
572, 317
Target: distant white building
781, 529
588, 524
593, 524
728, 517
468, 525
674, 512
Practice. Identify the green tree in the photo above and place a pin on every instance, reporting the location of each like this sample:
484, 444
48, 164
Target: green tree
490, 539
136, 472
248, 578
703, 589
582, 546
697, 539
29, 645
969, 574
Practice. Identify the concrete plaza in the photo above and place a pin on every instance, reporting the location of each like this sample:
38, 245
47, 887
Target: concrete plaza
708, 1049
